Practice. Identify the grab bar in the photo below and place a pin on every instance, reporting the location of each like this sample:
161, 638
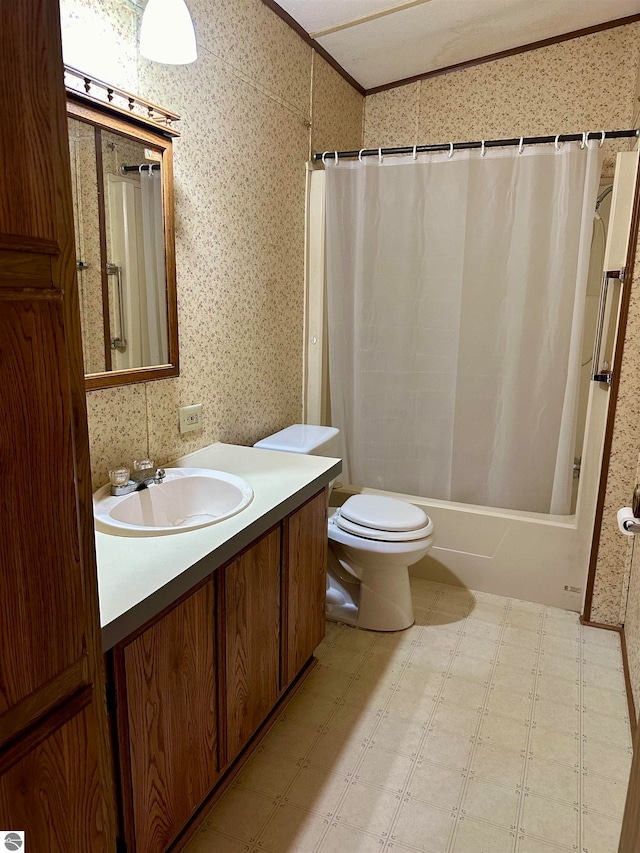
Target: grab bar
604, 375
119, 343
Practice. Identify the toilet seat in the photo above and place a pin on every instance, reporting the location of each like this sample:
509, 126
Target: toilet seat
383, 519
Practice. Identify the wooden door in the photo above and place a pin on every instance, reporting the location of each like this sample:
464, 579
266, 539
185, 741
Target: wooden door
168, 707
52, 706
630, 835
52, 790
250, 638
304, 584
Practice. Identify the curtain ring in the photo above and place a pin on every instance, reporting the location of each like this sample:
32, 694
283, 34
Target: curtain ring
335, 154
557, 142
140, 168
415, 152
521, 145
324, 155
602, 135
380, 157
583, 144
360, 154
450, 154
482, 151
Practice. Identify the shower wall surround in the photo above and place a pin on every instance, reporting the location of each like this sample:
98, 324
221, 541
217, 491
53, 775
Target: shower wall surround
253, 106
586, 83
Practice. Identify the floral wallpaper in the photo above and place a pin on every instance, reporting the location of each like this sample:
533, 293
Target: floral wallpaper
586, 83
252, 106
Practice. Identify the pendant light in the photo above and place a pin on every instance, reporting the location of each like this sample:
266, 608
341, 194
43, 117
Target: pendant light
167, 33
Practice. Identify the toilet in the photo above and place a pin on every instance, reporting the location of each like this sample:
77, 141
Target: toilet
372, 542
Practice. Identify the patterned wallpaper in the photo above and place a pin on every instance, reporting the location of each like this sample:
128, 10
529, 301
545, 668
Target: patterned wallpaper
252, 106
583, 84
588, 83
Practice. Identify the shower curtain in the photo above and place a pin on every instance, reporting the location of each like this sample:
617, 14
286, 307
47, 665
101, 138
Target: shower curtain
456, 292
136, 245
154, 291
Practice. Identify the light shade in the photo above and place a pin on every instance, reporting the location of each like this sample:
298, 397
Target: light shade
167, 33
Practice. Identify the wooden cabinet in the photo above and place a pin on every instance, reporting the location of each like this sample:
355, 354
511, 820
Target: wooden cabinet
53, 791
55, 772
194, 686
304, 579
250, 630
169, 753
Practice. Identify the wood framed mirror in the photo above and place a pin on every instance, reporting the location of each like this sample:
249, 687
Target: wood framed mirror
122, 178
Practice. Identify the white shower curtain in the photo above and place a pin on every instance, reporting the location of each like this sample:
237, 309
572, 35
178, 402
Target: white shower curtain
154, 292
456, 291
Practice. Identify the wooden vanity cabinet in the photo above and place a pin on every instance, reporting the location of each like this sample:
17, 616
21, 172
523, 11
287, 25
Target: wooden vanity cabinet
250, 639
195, 685
167, 721
304, 580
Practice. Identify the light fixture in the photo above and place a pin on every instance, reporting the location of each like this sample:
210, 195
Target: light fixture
167, 34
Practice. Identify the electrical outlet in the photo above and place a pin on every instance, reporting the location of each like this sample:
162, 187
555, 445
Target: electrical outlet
191, 417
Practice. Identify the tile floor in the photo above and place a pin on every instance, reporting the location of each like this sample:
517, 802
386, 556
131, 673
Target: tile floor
491, 725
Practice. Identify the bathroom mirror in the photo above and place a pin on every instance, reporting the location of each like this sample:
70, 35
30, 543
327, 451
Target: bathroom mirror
122, 181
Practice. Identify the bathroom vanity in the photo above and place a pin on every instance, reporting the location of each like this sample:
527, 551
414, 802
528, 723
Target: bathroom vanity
206, 631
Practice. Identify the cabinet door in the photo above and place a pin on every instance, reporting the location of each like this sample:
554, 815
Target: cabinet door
304, 584
50, 651
170, 708
250, 617
53, 790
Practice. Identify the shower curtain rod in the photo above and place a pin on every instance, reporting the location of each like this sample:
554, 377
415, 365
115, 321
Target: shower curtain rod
487, 143
152, 166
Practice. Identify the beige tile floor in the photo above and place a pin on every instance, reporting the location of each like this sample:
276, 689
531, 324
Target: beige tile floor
491, 725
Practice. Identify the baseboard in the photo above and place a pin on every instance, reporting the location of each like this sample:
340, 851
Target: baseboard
625, 665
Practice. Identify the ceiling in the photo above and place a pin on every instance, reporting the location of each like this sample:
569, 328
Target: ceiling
379, 42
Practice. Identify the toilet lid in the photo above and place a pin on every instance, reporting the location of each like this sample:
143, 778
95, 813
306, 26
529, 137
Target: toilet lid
383, 519
381, 535
380, 513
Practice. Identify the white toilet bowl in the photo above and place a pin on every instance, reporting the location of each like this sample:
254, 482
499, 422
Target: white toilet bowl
372, 542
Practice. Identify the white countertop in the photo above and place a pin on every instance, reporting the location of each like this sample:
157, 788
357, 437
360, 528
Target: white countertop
138, 576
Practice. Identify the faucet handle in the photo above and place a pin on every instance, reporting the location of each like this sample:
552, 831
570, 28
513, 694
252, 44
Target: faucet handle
119, 476
160, 475
142, 464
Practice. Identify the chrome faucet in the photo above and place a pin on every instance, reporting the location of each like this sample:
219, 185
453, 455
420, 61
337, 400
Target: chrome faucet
123, 481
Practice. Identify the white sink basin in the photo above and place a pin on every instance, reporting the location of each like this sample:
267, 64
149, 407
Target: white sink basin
187, 499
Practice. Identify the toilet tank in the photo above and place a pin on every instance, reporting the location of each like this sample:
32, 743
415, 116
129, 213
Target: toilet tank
304, 438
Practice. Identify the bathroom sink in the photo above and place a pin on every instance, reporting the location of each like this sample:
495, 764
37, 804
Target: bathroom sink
187, 499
